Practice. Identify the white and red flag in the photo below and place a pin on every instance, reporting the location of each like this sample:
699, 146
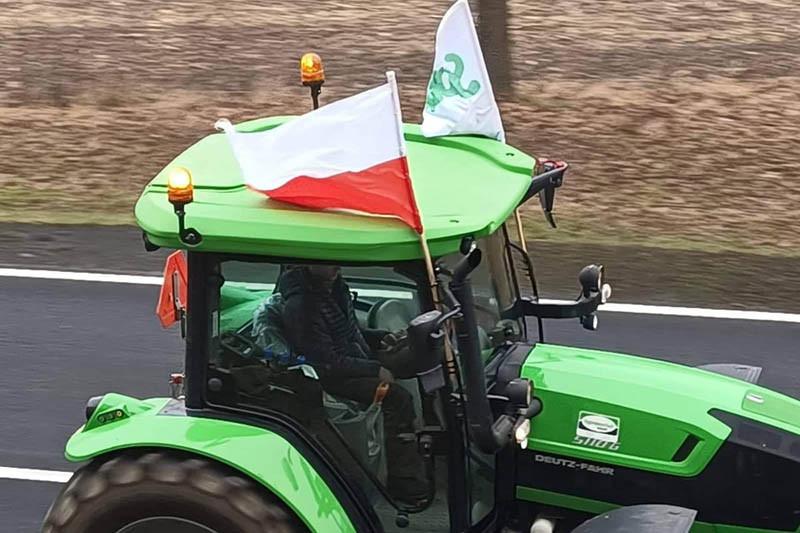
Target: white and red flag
348, 155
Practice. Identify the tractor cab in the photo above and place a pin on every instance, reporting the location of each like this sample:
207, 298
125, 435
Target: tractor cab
246, 362
253, 368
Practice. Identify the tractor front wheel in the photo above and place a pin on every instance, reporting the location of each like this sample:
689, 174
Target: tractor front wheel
162, 491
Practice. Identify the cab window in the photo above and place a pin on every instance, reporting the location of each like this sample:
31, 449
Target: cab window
324, 346
494, 289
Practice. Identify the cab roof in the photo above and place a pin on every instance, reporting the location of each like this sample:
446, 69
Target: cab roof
464, 185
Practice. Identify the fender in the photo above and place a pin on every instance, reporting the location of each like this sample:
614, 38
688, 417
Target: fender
121, 422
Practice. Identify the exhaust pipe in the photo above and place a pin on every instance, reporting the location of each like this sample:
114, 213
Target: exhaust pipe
489, 434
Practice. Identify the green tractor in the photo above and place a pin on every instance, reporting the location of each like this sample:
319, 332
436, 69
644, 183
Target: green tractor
514, 434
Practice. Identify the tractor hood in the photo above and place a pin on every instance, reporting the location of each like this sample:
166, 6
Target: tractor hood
638, 412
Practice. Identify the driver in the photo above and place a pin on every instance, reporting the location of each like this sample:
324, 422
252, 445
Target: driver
320, 323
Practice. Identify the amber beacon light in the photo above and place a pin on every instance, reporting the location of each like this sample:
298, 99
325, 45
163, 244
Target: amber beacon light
180, 192
311, 71
312, 75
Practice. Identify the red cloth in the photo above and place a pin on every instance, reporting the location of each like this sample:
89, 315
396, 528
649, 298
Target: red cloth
383, 189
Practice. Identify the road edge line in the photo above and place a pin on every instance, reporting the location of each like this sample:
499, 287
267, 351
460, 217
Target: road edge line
65, 275
34, 474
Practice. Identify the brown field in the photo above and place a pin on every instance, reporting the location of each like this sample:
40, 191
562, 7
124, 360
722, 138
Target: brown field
681, 118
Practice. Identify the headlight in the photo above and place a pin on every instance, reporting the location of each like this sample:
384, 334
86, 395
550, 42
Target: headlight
605, 292
519, 392
91, 405
522, 432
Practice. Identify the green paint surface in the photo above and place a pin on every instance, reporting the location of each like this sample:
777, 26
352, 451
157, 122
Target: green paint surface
258, 453
773, 405
464, 185
658, 404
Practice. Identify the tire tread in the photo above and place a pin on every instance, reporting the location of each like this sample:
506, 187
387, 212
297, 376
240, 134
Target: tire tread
94, 484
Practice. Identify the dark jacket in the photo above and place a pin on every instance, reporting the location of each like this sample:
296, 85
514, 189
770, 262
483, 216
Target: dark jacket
321, 325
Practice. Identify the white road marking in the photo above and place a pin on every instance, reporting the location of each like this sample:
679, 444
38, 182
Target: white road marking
63, 275
694, 312
699, 312
638, 309
33, 474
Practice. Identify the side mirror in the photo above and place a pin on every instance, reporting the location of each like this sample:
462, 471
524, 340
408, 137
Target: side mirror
467, 245
591, 278
426, 342
594, 292
421, 332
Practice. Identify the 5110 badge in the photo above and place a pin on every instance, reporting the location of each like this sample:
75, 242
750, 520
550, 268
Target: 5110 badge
597, 431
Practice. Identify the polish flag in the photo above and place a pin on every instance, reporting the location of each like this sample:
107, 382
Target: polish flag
348, 155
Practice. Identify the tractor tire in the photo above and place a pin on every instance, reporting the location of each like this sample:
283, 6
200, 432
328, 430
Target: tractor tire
165, 491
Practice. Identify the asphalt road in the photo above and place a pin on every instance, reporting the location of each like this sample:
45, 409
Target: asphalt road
62, 342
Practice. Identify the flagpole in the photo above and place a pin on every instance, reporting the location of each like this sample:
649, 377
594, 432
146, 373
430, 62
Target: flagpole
520, 230
426, 252
449, 358
391, 79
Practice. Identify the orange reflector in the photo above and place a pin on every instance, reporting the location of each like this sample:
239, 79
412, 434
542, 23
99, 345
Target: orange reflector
311, 69
174, 290
180, 190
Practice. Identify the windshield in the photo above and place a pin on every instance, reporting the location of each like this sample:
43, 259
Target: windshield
494, 289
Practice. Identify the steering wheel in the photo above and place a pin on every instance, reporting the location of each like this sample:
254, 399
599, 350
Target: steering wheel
394, 315
390, 314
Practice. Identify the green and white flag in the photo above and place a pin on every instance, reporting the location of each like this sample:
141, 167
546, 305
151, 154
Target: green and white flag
460, 97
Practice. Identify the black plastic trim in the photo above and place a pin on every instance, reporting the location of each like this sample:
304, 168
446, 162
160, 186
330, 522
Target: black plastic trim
758, 436
752, 481
510, 366
651, 518
748, 373
523, 307
686, 448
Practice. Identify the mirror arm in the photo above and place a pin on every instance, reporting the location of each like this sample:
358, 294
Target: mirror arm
527, 307
449, 299
552, 178
453, 313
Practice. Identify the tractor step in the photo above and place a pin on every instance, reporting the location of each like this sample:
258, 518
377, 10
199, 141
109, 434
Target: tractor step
747, 373
641, 519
